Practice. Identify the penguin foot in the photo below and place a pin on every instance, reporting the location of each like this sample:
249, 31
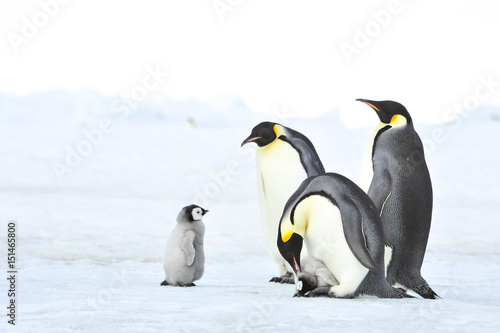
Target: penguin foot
285, 278
288, 281
279, 279
165, 283
404, 294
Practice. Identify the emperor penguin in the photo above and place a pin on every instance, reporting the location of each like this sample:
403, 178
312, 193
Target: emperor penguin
402, 192
285, 158
184, 257
340, 226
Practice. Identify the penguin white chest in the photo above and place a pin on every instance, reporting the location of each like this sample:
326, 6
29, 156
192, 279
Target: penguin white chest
367, 163
280, 173
325, 240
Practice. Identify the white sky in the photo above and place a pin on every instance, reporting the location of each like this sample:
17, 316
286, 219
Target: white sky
271, 53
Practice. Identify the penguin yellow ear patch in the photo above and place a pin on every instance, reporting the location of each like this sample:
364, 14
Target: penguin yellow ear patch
286, 237
398, 120
276, 130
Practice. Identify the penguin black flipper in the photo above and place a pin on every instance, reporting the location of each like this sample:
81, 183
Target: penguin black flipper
380, 188
352, 223
308, 155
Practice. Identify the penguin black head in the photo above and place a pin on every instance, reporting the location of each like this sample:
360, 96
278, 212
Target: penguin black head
192, 213
305, 283
290, 250
262, 134
386, 110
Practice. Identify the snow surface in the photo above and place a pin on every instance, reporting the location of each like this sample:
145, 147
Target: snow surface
89, 247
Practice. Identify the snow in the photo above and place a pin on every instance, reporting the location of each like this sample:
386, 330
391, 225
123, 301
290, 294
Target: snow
90, 245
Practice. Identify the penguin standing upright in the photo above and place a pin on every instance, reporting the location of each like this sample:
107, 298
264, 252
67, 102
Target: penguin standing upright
402, 192
341, 228
285, 158
184, 257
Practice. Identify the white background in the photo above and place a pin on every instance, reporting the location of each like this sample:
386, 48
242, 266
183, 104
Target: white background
91, 237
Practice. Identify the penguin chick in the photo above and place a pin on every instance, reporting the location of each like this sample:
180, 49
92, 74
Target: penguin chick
315, 279
184, 257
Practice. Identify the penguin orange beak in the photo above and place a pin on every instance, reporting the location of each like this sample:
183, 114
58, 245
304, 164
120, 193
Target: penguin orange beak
249, 139
297, 266
367, 102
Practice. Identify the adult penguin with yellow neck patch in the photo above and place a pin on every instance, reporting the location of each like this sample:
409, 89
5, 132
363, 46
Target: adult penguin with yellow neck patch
341, 228
402, 192
285, 158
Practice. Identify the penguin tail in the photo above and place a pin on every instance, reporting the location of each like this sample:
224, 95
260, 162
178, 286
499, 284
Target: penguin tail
422, 288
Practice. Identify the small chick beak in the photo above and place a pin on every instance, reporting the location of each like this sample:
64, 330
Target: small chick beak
204, 212
367, 102
249, 139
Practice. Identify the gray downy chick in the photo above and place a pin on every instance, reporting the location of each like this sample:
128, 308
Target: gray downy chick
315, 279
184, 257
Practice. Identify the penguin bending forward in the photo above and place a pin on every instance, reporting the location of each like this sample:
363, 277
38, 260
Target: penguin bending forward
285, 158
184, 257
402, 192
341, 228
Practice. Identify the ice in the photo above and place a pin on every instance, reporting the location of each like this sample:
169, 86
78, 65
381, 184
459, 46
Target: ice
89, 247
